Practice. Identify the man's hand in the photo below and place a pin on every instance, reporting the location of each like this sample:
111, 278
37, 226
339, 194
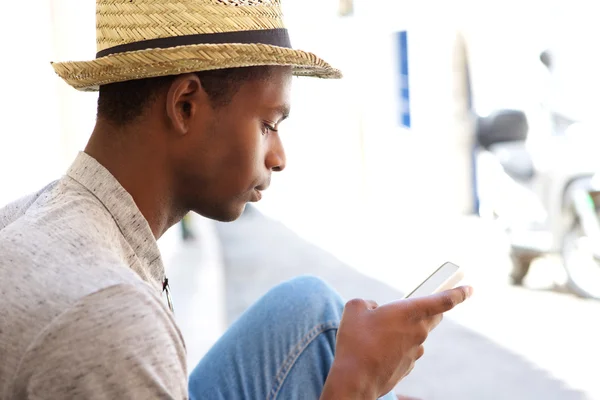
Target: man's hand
377, 346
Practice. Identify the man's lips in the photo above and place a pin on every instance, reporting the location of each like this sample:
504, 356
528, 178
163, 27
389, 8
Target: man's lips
256, 195
262, 187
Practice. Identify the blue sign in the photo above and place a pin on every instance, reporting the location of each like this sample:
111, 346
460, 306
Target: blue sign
404, 103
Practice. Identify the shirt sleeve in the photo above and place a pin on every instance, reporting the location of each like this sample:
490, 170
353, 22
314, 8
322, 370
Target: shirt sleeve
118, 343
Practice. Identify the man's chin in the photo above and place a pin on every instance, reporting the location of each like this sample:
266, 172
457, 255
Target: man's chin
234, 215
224, 215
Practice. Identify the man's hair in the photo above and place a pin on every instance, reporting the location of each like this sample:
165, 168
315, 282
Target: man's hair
123, 102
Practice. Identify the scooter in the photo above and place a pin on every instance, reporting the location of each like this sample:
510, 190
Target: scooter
546, 198
580, 248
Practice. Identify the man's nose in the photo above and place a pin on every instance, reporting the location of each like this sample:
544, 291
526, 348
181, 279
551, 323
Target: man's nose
275, 160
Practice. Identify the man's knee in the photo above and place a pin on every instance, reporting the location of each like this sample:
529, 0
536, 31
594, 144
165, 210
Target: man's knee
308, 294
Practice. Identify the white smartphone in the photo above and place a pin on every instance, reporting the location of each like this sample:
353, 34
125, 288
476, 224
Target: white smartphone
445, 277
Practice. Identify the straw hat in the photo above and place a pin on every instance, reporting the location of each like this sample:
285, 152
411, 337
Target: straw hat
149, 38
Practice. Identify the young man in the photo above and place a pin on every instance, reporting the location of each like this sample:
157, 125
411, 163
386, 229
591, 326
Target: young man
192, 93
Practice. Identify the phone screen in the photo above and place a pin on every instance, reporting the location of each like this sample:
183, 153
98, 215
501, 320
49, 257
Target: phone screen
435, 280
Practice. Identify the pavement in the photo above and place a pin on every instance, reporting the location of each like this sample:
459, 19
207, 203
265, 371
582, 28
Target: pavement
537, 342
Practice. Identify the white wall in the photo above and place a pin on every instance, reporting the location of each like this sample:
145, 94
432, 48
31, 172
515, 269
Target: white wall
351, 170
29, 131
74, 39
44, 122
344, 147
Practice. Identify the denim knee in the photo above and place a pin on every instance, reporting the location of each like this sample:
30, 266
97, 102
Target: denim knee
310, 296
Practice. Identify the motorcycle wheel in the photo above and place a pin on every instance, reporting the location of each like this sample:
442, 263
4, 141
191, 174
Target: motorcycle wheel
583, 269
521, 262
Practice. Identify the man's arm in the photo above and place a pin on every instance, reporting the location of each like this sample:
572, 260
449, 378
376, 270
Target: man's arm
118, 343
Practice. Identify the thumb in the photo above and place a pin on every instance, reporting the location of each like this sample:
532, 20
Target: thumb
371, 304
442, 302
360, 304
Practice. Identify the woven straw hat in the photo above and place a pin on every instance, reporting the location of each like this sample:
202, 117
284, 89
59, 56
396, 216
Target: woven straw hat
149, 38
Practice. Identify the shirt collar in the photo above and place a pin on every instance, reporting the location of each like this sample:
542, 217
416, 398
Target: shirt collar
119, 203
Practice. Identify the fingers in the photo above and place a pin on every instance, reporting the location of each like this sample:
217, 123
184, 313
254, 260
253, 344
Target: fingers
440, 303
420, 352
410, 369
435, 321
360, 304
371, 305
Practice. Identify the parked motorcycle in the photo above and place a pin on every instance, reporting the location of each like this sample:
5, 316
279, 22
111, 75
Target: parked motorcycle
581, 242
546, 196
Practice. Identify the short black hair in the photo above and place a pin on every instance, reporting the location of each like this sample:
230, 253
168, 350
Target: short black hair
123, 102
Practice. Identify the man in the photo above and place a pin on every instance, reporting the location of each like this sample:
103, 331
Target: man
192, 93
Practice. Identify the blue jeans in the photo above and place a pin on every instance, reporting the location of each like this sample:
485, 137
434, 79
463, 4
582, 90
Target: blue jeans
281, 348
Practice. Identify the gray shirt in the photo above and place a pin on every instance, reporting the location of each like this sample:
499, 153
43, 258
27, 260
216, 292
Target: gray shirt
82, 314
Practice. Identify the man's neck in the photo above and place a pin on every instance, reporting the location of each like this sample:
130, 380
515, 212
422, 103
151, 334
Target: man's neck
140, 167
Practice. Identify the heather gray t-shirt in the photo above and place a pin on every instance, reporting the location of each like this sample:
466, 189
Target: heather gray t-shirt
82, 314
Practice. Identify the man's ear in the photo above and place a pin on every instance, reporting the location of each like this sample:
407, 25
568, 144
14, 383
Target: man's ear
184, 101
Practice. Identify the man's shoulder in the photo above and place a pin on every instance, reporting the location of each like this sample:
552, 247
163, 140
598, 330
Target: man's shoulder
75, 244
61, 220
123, 335
63, 202
62, 247
16, 209
64, 259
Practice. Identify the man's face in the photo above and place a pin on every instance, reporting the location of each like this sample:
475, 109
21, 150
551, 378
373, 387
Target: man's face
228, 156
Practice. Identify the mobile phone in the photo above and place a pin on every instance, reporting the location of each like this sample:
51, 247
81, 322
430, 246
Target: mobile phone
445, 277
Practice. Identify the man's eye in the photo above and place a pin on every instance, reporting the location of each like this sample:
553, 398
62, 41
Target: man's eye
268, 129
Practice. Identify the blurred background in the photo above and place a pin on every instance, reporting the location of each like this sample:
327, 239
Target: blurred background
463, 131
